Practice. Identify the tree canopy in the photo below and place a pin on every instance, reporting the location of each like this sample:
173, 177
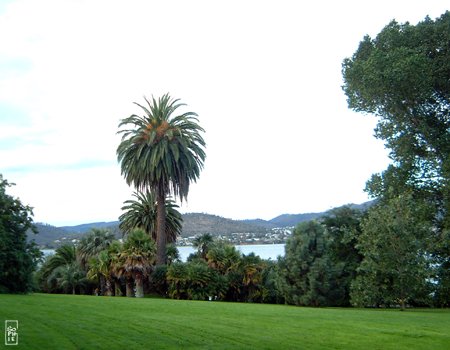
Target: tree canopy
395, 268
306, 274
18, 258
402, 76
161, 151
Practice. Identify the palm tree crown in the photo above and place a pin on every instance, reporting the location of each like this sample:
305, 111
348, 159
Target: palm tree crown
141, 213
93, 243
162, 151
203, 243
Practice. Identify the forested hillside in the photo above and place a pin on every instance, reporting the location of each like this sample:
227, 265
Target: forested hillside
199, 223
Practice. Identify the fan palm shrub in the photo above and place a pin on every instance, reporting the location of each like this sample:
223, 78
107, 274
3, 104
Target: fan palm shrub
137, 257
141, 213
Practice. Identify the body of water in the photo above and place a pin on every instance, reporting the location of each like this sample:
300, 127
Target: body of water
265, 251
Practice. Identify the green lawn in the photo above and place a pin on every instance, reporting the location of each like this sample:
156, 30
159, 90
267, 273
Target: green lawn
87, 322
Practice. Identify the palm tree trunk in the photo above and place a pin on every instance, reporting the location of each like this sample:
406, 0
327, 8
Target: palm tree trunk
117, 290
139, 286
161, 230
108, 288
402, 304
102, 285
129, 287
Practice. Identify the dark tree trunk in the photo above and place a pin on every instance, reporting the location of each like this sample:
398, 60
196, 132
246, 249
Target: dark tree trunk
108, 288
129, 287
138, 279
402, 304
117, 291
102, 285
161, 230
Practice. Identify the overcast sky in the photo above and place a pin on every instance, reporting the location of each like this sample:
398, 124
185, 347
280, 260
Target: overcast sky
264, 77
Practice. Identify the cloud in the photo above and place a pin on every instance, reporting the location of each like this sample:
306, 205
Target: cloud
264, 78
43, 168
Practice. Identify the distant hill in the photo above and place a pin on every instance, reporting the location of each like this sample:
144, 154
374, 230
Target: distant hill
293, 219
51, 237
286, 220
363, 206
87, 227
260, 222
199, 223
193, 224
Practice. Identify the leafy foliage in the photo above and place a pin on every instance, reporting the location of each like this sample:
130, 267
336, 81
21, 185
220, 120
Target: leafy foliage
307, 275
61, 272
395, 268
343, 227
220, 272
402, 76
18, 259
68, 277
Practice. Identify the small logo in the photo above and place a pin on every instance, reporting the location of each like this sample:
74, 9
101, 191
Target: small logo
11, 332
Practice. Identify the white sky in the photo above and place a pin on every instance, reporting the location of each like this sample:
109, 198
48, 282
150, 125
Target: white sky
264, 77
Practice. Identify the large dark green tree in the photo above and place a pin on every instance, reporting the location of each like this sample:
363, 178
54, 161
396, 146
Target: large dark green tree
141, 213
403, 77
343, 226
162, 152
306, 274
395, 269
18, 258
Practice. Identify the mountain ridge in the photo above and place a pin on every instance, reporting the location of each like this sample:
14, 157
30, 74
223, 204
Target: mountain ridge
193, 224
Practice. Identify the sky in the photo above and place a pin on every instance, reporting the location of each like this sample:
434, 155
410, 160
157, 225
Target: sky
263, 76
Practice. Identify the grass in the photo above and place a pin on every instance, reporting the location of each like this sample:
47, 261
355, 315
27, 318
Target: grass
87, 322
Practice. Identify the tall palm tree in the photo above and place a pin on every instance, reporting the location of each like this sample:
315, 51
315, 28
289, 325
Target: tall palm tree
141, 213
137, 257
163, 153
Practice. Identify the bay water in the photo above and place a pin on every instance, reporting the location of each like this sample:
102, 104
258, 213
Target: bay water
265, 251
